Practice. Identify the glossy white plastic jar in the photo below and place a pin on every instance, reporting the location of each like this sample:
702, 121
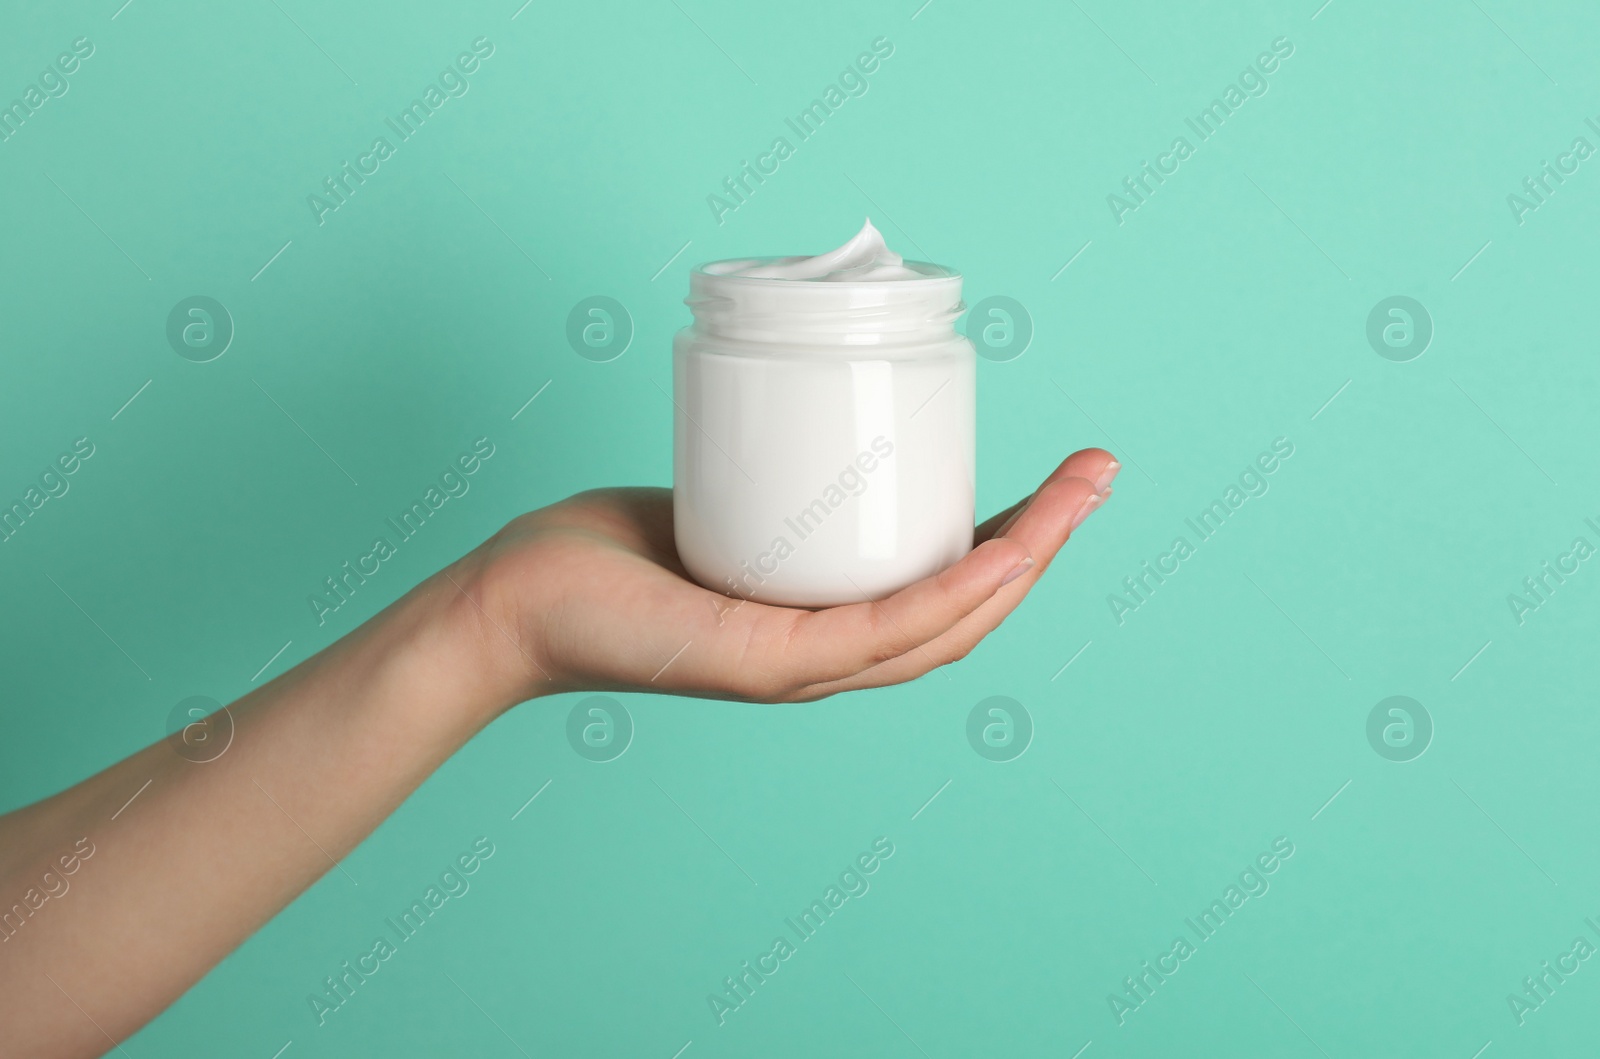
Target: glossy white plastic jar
824, 444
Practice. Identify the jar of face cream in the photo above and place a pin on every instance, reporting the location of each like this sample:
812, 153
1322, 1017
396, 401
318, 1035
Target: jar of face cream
823, 448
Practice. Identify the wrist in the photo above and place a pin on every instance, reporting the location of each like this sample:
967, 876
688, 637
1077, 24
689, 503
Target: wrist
432, 663
476, 633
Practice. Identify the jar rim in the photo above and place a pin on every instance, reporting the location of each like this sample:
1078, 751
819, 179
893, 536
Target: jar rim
935, 273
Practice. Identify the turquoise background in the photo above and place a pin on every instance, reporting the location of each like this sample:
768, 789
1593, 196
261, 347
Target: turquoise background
1224, 313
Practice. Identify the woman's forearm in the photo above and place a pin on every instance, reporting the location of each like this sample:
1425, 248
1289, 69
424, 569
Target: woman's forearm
206, 852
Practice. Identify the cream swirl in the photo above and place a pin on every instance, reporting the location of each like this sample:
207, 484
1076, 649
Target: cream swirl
866, 257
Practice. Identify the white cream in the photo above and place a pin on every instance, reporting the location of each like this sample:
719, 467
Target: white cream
866, 257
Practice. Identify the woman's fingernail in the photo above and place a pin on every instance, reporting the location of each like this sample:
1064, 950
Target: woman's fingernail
1106, 475
1094, 501
1017, 571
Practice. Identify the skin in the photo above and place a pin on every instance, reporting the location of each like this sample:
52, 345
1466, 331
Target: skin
586, 594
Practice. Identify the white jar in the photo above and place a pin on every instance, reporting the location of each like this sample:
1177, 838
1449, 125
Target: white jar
824, 443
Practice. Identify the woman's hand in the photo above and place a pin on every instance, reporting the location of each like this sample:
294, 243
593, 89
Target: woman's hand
589, 594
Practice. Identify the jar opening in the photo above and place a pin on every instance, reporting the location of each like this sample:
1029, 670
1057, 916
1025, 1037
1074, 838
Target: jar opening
830, 313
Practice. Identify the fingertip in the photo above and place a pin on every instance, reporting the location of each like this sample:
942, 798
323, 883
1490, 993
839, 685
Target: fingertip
997, 557
1090, 506
1017, 571
1060, 499
1096, 465
1047, 523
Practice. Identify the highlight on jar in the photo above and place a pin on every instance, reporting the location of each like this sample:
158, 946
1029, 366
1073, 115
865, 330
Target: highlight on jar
824, 445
